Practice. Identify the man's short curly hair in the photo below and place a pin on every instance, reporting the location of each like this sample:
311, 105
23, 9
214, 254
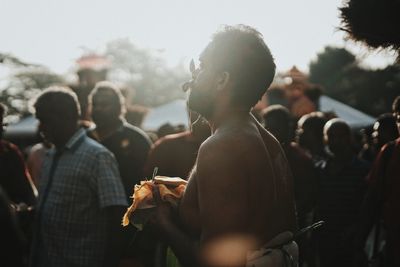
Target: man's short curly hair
241, 51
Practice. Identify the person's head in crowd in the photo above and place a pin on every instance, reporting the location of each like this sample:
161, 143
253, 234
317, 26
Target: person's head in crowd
58, 112
135, 114
309, 133
106, 104
276, 96
277, 120
3, 111
396, 111
337, 136
385, 129
166, 129
236, 68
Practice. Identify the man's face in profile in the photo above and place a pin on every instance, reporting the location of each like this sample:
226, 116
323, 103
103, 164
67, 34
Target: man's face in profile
49, 126
203, 88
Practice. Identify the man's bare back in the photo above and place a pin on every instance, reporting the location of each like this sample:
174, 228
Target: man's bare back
236, 187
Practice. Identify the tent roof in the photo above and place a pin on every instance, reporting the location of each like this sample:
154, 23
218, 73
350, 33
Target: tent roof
174, 112
25, 127
352, 116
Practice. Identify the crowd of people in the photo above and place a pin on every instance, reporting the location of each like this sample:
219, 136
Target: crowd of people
254, 185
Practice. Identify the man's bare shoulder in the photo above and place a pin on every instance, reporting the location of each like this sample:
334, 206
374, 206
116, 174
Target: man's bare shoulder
228, 143
229, 150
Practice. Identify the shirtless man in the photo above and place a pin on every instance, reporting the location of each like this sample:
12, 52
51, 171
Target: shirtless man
239, 196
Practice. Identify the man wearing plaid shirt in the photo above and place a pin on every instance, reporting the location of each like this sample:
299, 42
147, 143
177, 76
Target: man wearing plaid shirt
81, 197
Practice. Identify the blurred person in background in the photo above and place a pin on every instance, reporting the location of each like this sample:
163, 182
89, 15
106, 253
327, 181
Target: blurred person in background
175, 154
382, 204
13, 244
384, 130
129, 144
310, 137
35, 159
14, 175
279, 122
341, 189
81, 196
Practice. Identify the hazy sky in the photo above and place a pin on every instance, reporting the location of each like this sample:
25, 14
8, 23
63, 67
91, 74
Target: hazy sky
54, 32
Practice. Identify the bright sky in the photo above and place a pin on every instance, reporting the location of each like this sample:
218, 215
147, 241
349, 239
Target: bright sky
55, 32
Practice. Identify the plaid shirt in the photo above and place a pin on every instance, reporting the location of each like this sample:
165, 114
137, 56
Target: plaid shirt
75, 187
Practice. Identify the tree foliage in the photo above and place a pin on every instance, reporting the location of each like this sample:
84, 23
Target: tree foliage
373, 22
153, 81
24, 83
371, 91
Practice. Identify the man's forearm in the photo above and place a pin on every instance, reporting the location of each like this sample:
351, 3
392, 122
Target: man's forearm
114, 237
186, 249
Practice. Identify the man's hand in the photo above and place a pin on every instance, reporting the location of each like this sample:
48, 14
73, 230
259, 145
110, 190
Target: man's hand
162, 217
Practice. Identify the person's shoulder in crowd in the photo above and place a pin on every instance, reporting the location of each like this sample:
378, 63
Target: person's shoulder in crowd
6, 146
134, 132
93, 147
172, 139
294, 150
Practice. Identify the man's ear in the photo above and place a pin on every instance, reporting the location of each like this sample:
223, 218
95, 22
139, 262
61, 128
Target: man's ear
223, 79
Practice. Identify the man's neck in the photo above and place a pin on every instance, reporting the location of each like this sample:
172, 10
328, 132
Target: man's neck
63, 140
228, 116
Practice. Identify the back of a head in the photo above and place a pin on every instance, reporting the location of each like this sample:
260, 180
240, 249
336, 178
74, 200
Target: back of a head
277, 120
241, 51
59, 102
337, 126
313, 122
338, 136
310, 131
385, 128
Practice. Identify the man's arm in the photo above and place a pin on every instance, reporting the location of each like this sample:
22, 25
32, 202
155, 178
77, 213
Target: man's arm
112, 200
184, 247
114, 236
23, 188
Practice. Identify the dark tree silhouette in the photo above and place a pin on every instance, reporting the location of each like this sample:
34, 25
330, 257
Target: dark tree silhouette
373, 22
371, 91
